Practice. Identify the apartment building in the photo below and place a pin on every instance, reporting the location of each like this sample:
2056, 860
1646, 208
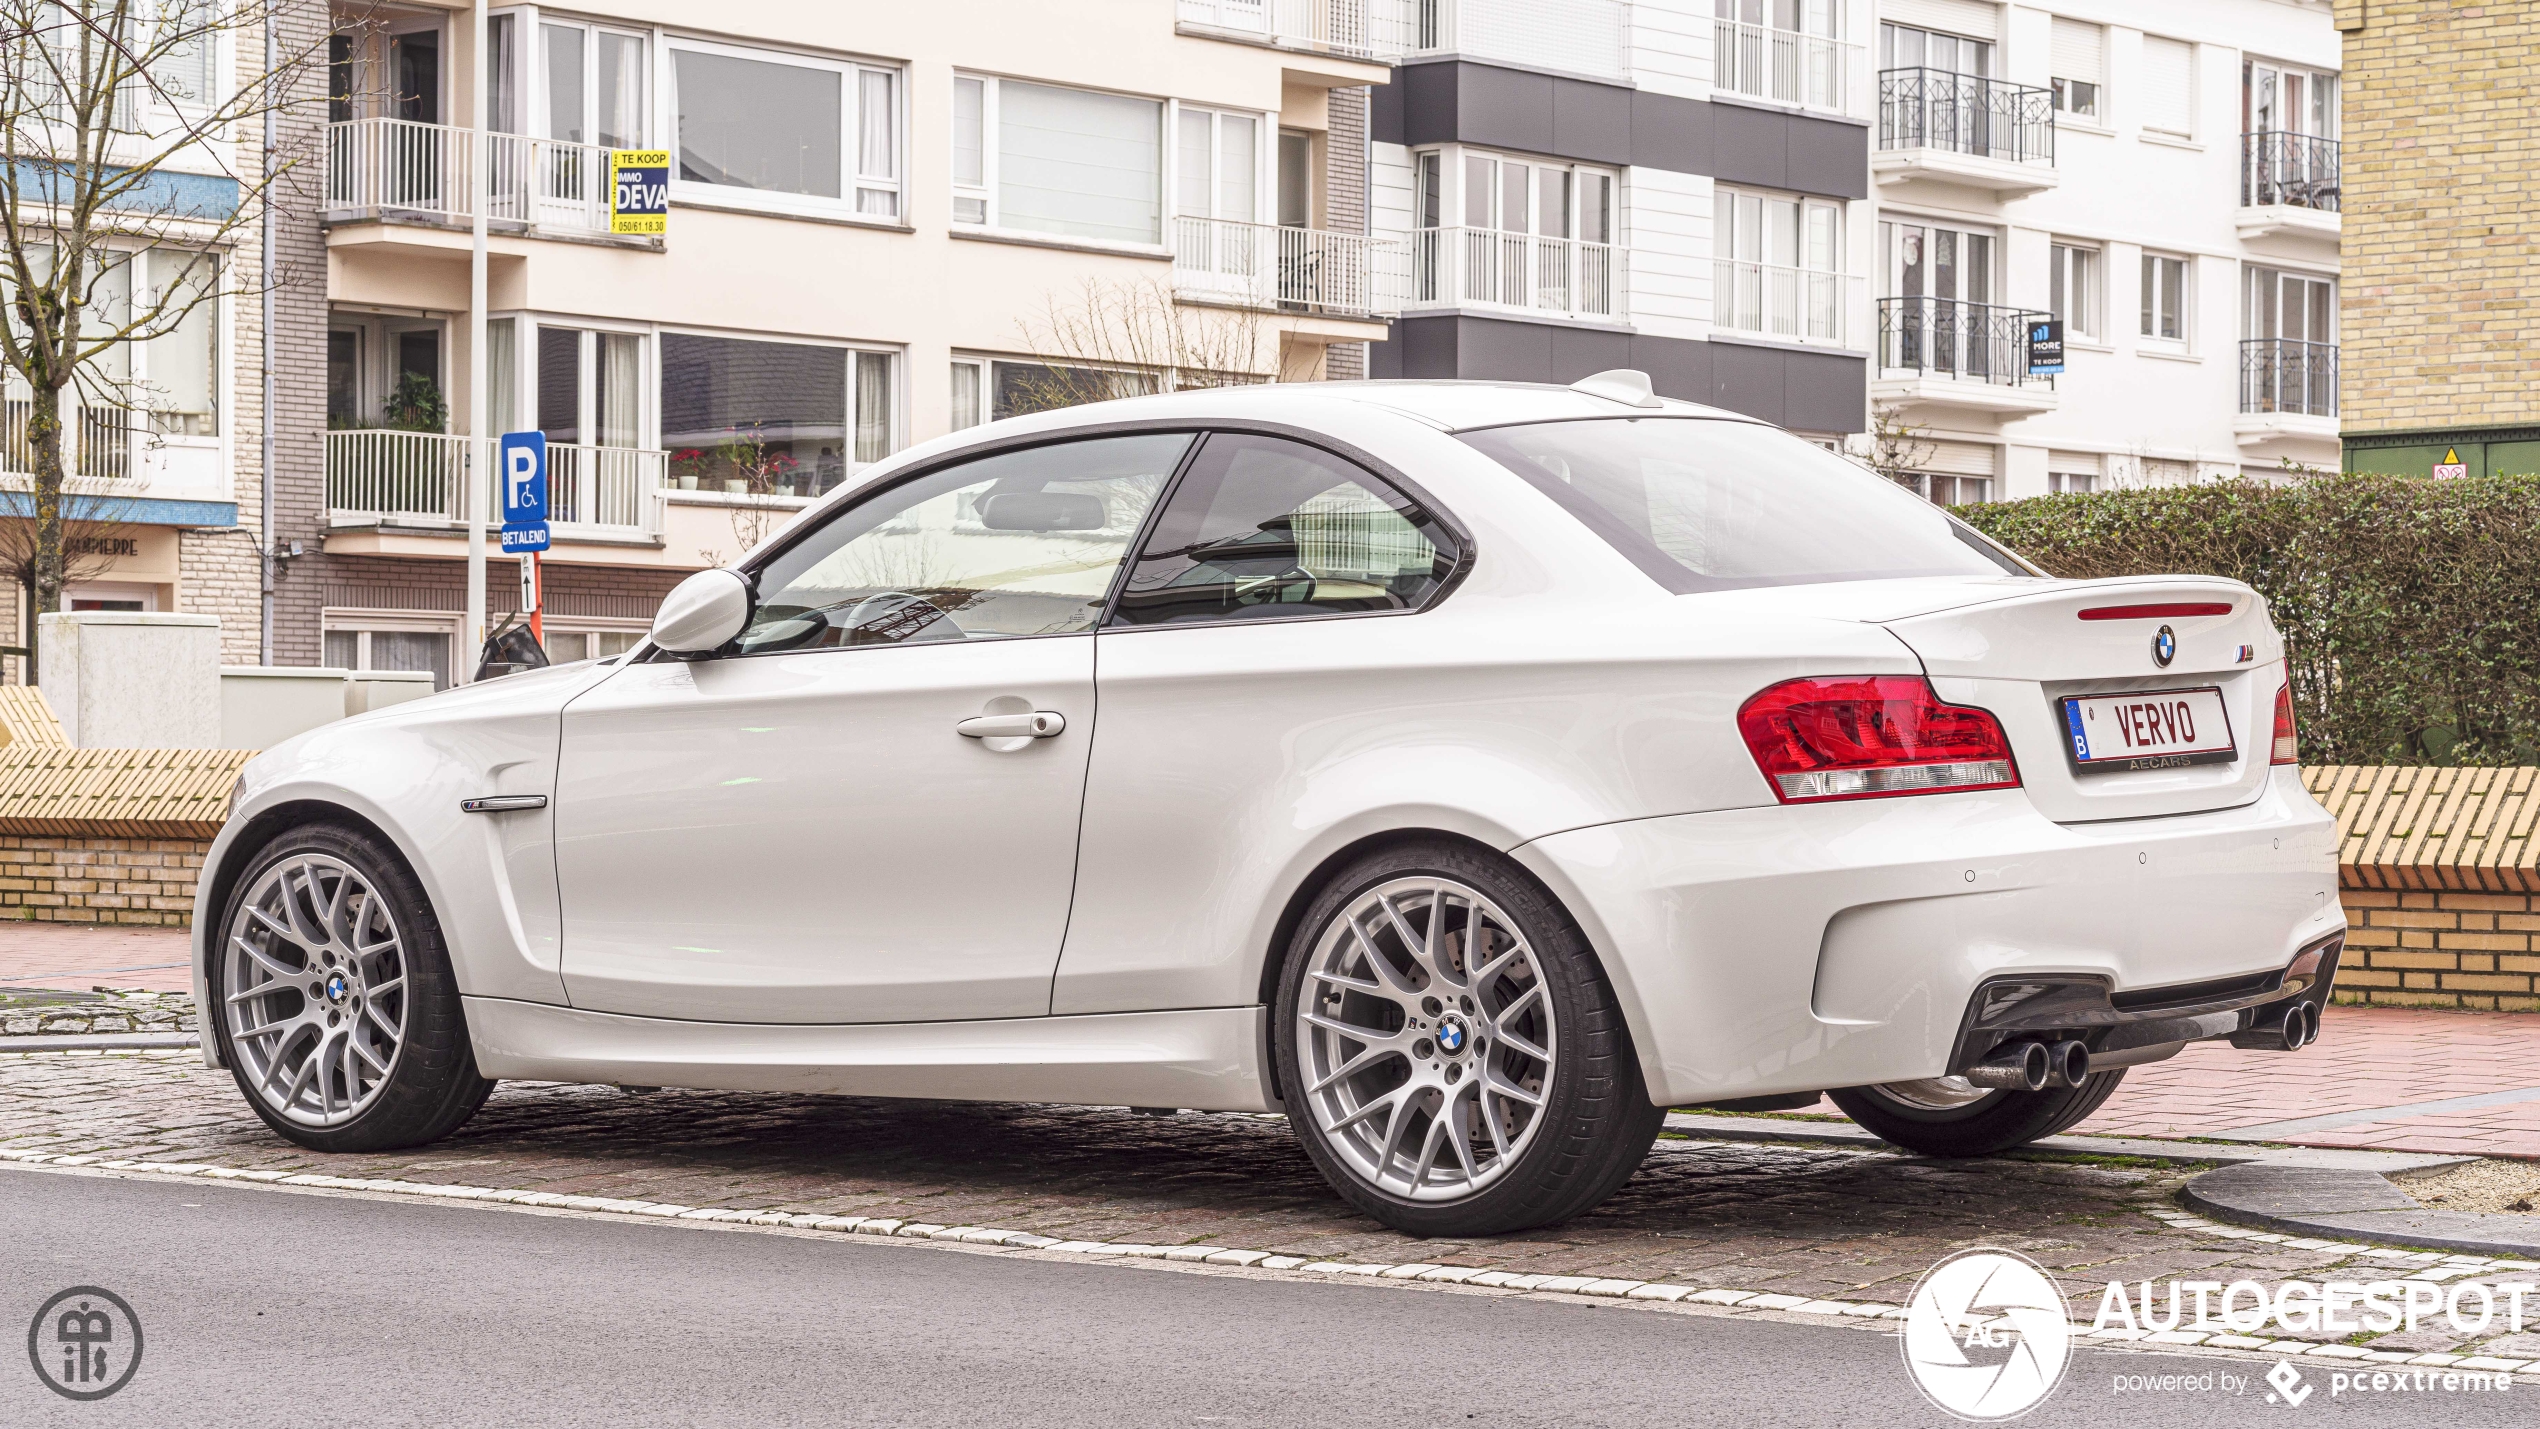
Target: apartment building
1682, 187
2442, 265
2162, 176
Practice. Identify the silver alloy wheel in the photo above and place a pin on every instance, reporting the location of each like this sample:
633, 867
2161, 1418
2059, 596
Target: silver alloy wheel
1425, 1037
315, 973
1934, 1093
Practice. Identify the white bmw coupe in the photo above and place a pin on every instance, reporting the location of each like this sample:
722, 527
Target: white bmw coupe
1469, 771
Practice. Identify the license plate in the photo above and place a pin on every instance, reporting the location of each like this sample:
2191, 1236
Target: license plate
2154, 729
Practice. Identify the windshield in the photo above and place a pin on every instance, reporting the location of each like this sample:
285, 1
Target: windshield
1701, 504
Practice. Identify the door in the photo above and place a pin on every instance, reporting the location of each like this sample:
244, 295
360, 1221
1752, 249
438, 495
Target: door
810, 827
1941, 319
2289, 363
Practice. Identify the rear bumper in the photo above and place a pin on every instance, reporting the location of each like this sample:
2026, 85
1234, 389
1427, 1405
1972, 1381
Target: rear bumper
2123, 1029
1795, 948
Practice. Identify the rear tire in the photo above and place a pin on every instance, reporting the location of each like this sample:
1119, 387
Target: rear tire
333, 1000
1996, 1121
1449, 1051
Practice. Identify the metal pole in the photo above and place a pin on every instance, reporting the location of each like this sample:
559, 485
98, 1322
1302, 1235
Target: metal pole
264, 505
475, 489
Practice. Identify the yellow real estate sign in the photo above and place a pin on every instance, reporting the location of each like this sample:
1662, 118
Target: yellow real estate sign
639, 191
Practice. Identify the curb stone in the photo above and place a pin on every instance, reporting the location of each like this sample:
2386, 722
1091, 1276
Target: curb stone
2346, 1204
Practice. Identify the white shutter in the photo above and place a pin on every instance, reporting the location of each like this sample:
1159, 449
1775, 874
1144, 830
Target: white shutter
2073, 463
2076, 50
1971, 18
1957, 458
2169, 85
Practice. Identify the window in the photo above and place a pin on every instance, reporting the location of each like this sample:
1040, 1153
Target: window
2079, 66
2164, 298
969, 393
1217, 165
773, 415
1905, 47
375, 649
179, 383
1020, 387
2072, 483
2072, 288
1066, 161
792, 131
2282, 99
1262, 528
1296, 179
2169, 86
594, 83
1021, 543
1714, 505
566, 646
1780, 264
2291, 307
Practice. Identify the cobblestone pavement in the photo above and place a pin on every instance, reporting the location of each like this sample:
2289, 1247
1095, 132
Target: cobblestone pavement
1810, 1222
24, 1013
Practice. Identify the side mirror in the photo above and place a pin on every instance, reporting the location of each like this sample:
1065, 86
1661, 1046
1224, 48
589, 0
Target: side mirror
703, 613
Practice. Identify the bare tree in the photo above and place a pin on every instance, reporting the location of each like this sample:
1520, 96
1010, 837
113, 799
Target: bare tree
121, 188
1126, 339
1898, 449
91, 542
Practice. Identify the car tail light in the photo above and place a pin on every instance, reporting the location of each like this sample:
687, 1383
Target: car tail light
2288, 749
1871, 736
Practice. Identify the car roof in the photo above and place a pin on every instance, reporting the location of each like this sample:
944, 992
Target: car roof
1457, 406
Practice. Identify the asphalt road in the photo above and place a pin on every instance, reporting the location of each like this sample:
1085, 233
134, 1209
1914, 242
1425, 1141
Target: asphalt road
269, 1307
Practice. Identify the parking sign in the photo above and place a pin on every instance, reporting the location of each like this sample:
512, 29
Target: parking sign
521, 466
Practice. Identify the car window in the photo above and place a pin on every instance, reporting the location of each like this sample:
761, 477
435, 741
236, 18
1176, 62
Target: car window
1703, 504
1021, 543
1262, 528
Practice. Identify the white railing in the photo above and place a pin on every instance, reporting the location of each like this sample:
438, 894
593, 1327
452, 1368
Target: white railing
1262, 265
1786, 67
1332, 26
423, 475
97, 442
1578, 36
1797, 304
377, 167
1482, 267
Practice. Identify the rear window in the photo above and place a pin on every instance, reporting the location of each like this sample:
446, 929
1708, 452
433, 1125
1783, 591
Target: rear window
1701, 504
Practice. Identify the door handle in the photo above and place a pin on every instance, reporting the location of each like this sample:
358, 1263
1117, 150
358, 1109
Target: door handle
1031, 724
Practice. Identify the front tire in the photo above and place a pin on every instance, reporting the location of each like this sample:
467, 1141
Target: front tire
1449, 1051
333, 999
1947, 1116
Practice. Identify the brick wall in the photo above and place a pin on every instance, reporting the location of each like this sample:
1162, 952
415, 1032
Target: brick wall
2441, 949
1345, 203
92, 879
299, 449
2441, 308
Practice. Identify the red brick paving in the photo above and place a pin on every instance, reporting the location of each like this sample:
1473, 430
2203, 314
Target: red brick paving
79, 956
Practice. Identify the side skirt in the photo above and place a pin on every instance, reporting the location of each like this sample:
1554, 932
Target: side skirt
1206, 1059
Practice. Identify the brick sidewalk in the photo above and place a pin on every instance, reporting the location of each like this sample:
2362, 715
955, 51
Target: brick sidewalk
78, 956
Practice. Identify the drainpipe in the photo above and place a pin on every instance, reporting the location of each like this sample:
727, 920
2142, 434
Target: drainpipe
464, 666
264, 506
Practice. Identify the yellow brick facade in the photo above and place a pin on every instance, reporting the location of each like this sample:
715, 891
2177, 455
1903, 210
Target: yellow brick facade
2440, 317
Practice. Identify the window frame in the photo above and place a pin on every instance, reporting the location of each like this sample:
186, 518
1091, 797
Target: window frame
2073, 264
852, 184
984, 193
1451, 168
1265, 152
2154, 264
1806, 208
897, 355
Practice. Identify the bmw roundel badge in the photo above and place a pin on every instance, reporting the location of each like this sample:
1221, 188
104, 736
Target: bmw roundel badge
2164, 647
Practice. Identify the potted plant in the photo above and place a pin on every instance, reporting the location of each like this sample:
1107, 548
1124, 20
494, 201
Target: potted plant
685, 462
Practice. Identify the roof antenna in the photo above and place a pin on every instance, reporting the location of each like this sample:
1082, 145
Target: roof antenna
1627, 385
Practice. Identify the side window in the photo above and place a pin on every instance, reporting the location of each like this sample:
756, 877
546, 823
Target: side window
1022, 543
1267, 529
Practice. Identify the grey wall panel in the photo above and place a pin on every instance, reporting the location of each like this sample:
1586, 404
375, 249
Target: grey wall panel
1594, 123
1827, 158
1824, 392
1576, 352
1749, 380
1812, 391
1676, 368
1751, 146
1674, 134
1506, 108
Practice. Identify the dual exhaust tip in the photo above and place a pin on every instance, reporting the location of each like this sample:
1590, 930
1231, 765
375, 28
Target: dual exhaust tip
2296, 1027
2033, 1066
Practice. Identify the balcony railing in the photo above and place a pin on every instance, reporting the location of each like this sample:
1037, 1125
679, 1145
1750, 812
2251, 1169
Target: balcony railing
98, 441
1777, 301
1784, 66
1336, 27
1579, 36
2296, 170
422, 476
394, 167
1942, 337
1935, 109
1482, 267
2279, 374
1261, 265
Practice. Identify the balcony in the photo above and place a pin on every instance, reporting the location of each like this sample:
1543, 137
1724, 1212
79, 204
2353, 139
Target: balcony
397, 171
1789, 304
1786, 67
1482, 268
2288, 184
1330, 27
2288, 388
1959, 129
1943, 352
1290, 270
100, 443
416, 480
1582, 37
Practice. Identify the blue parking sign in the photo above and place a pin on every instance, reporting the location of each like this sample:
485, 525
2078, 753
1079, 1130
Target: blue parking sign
521, 466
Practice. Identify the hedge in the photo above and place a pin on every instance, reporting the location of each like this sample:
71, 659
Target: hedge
2410, 607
